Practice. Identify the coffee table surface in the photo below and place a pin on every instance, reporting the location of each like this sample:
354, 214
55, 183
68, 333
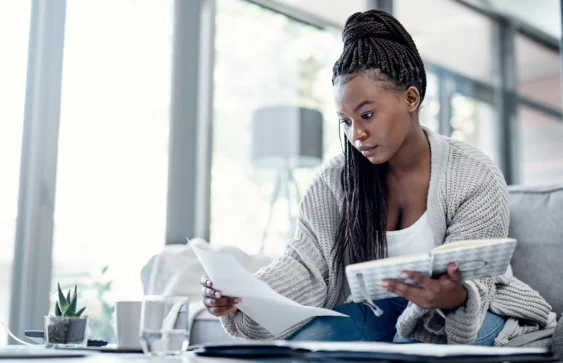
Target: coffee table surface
125, 358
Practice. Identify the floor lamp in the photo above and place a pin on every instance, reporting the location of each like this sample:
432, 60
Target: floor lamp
285, 138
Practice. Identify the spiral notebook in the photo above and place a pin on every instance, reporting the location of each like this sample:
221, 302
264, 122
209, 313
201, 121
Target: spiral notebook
475, 258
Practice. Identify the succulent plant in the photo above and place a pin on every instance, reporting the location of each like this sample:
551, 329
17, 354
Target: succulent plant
66, 306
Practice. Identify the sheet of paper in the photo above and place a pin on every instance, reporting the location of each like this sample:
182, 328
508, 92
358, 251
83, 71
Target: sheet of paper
273, 311
430, 350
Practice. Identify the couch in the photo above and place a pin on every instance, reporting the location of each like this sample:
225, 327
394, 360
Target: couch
537, 224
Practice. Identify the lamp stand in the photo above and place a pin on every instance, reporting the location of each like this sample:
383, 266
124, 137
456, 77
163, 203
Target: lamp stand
284, 177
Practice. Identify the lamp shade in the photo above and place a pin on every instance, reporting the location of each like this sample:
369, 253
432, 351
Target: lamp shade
287, 137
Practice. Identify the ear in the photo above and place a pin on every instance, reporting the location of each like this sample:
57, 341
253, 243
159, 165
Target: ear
413, 99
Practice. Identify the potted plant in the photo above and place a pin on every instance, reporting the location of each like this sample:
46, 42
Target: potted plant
67, 327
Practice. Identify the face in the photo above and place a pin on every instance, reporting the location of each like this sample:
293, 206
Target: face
375, 117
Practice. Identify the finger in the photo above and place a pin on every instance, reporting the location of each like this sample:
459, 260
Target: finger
453, 272
428, 285
225, 301
205, 281
419, 278
222, 311
209, 292
405, 290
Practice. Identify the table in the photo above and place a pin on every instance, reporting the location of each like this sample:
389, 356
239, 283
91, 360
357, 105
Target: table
126, 358
187, 357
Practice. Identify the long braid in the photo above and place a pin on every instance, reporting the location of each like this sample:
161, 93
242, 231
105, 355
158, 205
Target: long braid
376, 44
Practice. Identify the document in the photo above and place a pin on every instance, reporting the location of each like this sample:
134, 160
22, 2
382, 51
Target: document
425, 350
327, 351
273, 311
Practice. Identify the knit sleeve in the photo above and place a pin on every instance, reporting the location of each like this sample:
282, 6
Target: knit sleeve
302, 272
481, 211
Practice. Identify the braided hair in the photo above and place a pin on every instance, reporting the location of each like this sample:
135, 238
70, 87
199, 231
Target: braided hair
378, 46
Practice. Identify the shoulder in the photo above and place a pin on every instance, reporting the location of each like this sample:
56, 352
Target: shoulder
331, 175
470, 164
327, 183
470, 171
332, 170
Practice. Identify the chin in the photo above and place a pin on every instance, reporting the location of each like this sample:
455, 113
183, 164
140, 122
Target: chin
376, 159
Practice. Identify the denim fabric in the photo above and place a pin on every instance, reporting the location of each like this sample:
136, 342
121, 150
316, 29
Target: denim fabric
363, 325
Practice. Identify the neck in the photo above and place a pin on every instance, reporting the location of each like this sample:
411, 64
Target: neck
413, 153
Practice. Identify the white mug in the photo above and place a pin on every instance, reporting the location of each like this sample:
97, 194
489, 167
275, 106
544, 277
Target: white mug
128, 323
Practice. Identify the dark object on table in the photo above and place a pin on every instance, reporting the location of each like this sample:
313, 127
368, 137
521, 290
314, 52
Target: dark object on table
300, 352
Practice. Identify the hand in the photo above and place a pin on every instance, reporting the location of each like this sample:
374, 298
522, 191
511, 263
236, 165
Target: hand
447, 292
217, 304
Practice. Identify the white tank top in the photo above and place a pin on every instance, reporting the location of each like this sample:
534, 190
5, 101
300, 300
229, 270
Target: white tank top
417, 238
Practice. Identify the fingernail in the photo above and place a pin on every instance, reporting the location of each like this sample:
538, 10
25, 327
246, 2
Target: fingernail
217, 294
384, 284
208, 283
237, 300
455, 265
404, 275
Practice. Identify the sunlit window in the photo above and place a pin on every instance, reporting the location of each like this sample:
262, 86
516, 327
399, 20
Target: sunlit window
14, 35
110, 207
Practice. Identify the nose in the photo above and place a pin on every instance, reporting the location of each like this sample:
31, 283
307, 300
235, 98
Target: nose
358, 132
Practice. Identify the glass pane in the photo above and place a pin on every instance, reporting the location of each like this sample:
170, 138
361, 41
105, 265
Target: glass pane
541, 149
337, 13
544, 16
430, 109
292, 66
474, 122
14, 35
110, 207
450, 35
539, 72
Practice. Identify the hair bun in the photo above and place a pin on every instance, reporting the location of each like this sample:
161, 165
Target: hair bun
370, 24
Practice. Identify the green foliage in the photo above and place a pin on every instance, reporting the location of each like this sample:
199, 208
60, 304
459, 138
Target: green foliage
101, 326
95, 287
66, 306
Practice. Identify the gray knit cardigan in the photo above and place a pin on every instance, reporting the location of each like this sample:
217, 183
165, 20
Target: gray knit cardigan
467, 199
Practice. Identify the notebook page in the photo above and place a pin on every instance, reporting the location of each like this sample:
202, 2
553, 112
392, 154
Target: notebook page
475, 260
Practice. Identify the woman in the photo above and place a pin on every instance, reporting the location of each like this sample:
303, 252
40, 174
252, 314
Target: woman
398, 189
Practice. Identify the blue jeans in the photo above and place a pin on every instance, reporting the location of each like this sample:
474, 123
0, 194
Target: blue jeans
363, 325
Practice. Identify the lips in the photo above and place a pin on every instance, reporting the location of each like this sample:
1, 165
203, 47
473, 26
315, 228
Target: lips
367, 150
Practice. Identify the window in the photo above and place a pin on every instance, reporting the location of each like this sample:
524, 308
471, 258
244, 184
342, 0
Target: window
540, 148
450, 35
473, 122
291, 66
14, 35
430, 108
337, 13
110, 206
539, 72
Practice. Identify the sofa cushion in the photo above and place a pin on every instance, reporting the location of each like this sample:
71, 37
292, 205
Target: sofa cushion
206, 328
536, 221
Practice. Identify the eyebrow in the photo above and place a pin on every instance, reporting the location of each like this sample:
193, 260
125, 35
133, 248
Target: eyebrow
362, 104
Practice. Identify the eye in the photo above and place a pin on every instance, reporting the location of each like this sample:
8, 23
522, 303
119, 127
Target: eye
367, 115
345, 122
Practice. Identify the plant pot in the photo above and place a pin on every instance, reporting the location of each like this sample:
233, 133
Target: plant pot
65, 331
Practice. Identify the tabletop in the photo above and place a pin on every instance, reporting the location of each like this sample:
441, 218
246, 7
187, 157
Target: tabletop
188, 357
81, 356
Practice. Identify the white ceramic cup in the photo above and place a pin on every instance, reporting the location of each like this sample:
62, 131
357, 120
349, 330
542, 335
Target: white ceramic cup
128, 323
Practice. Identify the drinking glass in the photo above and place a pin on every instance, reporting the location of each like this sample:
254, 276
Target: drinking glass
164, 325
